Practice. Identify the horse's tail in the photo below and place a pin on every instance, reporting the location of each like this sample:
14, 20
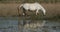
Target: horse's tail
20, 6
19, 9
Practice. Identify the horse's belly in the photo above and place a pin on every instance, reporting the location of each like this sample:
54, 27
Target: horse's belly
32, 8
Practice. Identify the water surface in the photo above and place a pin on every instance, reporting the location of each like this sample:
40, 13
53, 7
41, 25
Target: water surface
13, 24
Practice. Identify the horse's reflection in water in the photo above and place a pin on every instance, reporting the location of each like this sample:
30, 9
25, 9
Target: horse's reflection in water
31, 7
32, 24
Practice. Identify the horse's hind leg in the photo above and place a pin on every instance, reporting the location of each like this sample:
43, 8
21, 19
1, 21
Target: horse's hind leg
24, 11
37, 12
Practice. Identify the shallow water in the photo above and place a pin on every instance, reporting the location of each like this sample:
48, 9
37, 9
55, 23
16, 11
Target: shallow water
12, 24
8, 25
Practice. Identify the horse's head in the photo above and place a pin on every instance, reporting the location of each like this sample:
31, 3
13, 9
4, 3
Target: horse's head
44, 13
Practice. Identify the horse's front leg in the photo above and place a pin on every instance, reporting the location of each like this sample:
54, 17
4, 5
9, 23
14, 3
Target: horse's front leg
37, 12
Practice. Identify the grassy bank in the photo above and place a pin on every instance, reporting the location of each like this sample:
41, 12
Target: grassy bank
10, 9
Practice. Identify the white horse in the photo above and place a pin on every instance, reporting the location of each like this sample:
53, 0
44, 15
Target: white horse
33, 7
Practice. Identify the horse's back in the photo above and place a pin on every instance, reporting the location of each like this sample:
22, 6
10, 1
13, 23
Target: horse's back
32, 6
26, 6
